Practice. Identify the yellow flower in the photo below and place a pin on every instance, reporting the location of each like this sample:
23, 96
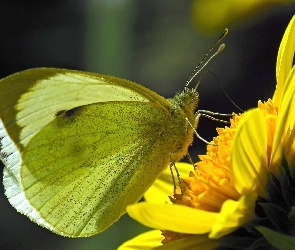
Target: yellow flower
243, 189
213, 15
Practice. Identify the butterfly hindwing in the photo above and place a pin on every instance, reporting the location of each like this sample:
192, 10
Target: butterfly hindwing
83, 168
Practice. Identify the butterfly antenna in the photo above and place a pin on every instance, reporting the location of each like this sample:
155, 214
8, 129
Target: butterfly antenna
199, 68
224, 91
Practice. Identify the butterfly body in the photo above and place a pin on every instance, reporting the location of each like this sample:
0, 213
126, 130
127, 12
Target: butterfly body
79, 147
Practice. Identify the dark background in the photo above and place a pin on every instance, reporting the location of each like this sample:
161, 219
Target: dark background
154, 43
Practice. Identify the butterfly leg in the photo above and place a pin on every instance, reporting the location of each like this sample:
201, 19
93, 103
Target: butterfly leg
210, 115
172, 165
190, 159
195, 131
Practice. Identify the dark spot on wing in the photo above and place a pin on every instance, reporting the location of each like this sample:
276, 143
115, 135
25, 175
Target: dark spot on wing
71, 112
67, 113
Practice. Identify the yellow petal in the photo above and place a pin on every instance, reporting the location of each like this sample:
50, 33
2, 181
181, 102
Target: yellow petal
249, 154
226, 13
163, 186
285, 123
176, 218
284, 61
148, 240
233, 214
191, 243
289, 149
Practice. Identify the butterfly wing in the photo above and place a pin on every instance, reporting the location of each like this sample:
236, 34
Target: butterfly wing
83, 169
32, 99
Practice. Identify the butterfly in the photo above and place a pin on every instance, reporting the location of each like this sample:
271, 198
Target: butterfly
79, 147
